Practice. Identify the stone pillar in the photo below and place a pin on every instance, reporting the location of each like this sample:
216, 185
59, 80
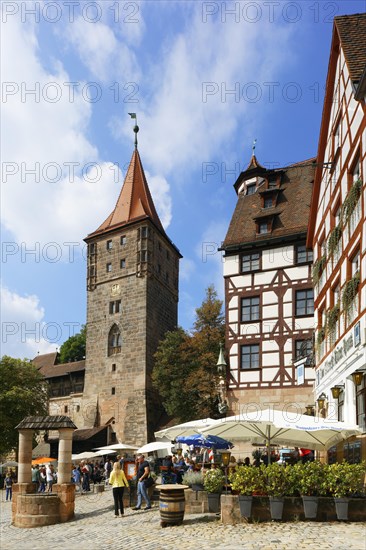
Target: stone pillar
25, 456
64, 455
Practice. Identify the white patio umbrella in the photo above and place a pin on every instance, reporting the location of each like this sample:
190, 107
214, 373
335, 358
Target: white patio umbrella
283, 428
117, 447
84, 456
155, 446
103, 452
187, 428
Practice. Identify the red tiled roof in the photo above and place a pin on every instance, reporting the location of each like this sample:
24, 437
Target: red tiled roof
45, 360
352, 34
291, 212
62, 369
254, 163
134, 202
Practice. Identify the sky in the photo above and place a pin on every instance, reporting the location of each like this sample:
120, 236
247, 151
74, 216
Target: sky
206, 79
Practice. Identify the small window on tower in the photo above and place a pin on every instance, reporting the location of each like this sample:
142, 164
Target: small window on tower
123, 240
268, 202
143, 232
109, 245
123, 263
66, 409
251, 189
114, 367
262, 228
109, 267
113, 391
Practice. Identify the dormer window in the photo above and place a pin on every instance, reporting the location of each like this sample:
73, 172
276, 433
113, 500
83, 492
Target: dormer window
251, 189
268, 202
272, 183
262, 228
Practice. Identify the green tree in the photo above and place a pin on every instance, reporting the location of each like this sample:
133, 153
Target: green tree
185, 373
23, 392
74, 347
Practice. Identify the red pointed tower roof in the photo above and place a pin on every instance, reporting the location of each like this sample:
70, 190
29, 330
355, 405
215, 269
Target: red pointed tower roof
254, 164
134, 202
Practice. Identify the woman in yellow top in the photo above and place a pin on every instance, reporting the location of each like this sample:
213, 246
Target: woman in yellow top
119, 482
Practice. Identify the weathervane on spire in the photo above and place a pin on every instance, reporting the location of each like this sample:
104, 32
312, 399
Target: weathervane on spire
253, 146
135, 128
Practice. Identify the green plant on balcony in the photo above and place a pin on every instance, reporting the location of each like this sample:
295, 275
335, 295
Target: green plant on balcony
334, 239
320, 336
350, 291
318, 268
332, 318
351, 200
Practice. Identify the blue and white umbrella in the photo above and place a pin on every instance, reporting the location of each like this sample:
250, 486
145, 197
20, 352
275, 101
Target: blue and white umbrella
208, 441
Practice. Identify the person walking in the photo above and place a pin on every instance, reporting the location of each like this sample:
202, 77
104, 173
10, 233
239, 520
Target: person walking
49, 478
42, 480
118, 481
143, 471
8, 484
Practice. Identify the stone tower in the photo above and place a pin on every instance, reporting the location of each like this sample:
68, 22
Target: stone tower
132, 298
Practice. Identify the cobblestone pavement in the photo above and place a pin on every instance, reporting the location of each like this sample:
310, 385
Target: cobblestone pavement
96, 527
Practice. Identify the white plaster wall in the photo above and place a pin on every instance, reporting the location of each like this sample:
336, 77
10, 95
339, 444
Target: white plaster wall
249, 376
242, 281
234, 302
278, 257
269, 312
297, 272
231, 265
270, 359
269, 374
247, 329
264, 278
233, 316
269, 297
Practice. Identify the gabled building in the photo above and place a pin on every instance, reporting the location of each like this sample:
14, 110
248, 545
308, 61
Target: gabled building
337, 233
268, 289
132, 299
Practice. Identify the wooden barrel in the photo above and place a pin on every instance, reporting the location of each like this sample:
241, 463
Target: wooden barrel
171, 504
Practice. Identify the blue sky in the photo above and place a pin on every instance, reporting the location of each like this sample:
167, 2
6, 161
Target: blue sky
205, 79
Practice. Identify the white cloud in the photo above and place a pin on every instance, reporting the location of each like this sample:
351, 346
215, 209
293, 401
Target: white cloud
23, 329
160, 192
102, 53
187, 268
192, 114
47, 137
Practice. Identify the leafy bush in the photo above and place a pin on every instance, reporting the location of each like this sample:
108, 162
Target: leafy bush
277, 480
344, 480
246, 480
312, 479
213, 481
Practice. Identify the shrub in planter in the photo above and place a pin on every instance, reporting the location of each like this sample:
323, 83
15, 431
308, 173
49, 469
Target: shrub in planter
277, 481
246, 480
344, 480
213, 483
311, 482
193, 479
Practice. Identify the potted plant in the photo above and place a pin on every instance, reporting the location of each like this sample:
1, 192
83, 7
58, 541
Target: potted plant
277, 486
193, 479
311, 485
350, 291
318, 268
344, 480
349, 203
246, 480
213, 483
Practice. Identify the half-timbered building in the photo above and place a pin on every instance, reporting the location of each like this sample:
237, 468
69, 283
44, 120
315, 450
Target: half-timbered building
337, 233
268, 289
